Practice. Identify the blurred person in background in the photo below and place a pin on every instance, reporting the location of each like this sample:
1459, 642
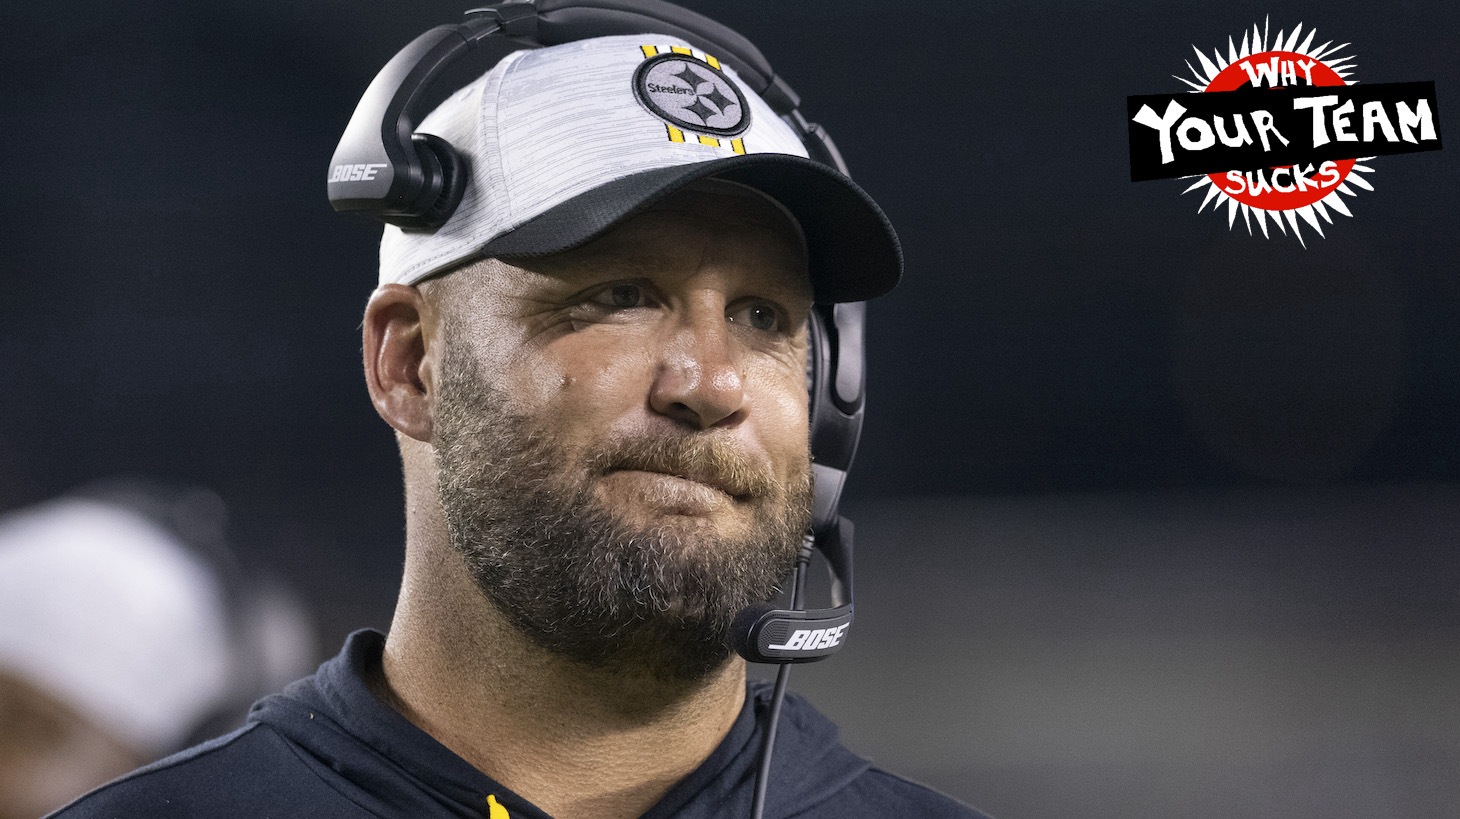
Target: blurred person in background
128, 630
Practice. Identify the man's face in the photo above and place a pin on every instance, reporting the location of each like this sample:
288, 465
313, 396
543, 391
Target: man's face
621, 430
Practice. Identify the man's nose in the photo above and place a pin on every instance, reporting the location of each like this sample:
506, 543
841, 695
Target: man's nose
698, 381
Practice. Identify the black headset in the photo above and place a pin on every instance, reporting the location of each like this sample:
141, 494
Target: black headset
382, 168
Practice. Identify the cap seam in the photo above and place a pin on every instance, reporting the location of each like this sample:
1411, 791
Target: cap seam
495, 149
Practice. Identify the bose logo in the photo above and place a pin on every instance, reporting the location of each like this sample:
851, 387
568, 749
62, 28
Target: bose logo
810, 640
354, 173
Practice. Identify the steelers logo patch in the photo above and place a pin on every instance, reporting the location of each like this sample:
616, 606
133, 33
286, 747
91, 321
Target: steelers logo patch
691, 94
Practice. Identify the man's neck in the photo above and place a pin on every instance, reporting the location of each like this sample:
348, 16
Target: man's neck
575, 741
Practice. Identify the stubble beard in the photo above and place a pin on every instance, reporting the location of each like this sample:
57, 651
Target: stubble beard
574, 577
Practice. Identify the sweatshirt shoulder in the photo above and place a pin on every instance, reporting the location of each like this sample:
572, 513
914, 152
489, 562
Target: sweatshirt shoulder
251, 772
878, 793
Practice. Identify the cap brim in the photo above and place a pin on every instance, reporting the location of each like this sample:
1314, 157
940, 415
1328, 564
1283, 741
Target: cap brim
852, 250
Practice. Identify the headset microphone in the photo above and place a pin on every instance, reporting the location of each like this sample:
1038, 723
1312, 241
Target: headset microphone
765, 634
836, 382
836, 385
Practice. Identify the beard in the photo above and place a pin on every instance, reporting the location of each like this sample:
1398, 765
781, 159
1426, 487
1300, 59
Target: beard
574, 577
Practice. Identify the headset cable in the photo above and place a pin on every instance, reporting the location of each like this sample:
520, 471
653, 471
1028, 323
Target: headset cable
768, 738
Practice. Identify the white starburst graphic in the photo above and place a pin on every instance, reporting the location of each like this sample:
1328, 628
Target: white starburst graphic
1277, 61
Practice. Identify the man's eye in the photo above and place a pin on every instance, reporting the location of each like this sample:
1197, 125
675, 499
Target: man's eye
759, 316
622, 296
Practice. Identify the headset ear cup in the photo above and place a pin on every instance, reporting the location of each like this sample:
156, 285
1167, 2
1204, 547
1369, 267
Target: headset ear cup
446, 173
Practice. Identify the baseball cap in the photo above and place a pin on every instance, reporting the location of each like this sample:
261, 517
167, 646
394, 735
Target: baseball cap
114, 616
565, 142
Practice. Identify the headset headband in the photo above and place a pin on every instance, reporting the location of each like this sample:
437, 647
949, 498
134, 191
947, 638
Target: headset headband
416, 180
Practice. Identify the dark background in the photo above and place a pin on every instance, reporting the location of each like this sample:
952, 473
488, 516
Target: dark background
1158, 518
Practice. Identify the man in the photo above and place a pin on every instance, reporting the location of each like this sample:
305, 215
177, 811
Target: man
596, 373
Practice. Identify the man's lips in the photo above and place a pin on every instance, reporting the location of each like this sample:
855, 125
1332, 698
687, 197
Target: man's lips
702, 477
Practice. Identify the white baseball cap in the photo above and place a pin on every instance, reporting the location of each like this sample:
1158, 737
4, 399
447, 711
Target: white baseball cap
562, 143
111, 614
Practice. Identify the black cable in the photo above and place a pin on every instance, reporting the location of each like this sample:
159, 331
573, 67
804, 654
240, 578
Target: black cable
768, 738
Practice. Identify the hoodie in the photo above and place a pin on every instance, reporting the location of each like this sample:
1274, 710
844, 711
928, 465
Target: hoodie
326, 747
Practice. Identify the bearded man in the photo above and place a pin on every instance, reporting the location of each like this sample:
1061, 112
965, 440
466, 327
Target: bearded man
596, 370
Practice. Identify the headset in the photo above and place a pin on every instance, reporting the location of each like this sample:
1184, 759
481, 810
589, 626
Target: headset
420, 182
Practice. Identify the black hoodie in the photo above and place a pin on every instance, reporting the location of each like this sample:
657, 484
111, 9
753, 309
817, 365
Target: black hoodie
326, 747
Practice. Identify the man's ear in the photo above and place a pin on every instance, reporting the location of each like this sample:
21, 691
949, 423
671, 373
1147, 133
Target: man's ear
400, 350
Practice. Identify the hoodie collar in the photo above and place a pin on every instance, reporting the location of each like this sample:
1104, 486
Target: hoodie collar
388, 765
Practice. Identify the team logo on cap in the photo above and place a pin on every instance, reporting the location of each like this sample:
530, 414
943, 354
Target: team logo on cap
691, 94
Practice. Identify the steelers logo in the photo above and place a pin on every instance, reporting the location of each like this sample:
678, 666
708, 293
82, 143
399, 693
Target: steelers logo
691, 94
